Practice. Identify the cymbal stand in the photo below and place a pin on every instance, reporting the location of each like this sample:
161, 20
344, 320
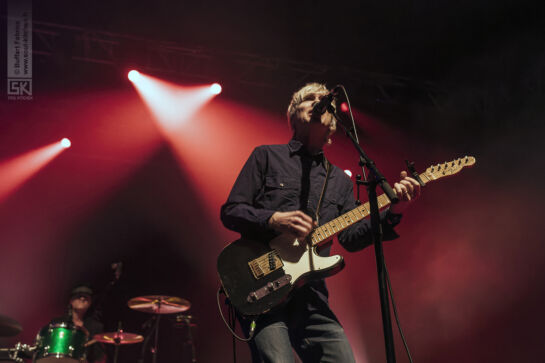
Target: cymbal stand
186, 320
117, 341
156, 343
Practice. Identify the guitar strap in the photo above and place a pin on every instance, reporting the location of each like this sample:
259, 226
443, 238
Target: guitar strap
328, 169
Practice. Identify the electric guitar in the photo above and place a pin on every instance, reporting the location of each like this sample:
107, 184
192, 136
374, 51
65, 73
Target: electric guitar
258, 276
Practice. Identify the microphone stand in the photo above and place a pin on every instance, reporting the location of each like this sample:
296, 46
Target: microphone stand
376, 179
104, 294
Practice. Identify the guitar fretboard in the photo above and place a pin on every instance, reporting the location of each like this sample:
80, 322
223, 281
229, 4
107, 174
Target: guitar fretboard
331, 228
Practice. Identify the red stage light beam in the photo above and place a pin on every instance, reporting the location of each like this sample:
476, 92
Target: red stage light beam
14, 172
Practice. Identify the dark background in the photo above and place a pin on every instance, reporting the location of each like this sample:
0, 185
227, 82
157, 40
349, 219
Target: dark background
430, 80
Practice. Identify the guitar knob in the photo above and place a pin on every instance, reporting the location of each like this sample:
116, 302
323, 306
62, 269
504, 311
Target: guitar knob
270, 286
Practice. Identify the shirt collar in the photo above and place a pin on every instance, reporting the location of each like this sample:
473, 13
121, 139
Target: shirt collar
296, 147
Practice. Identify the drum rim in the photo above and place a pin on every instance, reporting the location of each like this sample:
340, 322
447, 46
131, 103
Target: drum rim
64, 324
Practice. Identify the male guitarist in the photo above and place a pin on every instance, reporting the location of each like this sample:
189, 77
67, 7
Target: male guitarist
278, 192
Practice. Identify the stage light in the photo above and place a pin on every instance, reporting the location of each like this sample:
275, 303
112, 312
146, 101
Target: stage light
133, 75
65, 143
348, 172
215, 89
344, 107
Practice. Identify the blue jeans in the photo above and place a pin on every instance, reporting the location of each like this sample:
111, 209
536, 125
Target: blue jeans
316, 336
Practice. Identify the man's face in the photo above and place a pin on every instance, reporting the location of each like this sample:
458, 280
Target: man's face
304, 110
81, 302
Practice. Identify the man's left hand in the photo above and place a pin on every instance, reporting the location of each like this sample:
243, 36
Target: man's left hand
407, 190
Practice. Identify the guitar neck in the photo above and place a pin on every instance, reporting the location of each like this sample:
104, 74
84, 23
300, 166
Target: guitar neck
331, 228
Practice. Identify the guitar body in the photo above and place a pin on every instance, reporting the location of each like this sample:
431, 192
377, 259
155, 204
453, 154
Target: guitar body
258, 276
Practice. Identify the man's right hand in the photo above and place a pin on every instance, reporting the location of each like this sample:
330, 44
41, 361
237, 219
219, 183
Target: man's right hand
294, 222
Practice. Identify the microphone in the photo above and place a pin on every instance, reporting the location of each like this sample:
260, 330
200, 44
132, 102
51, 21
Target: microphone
322, 106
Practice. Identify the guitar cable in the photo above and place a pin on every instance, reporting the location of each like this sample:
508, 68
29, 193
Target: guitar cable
231, 326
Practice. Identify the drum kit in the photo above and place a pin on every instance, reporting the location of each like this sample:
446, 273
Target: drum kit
64, 342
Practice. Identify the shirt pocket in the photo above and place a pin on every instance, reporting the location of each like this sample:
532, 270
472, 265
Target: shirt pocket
280, 192
330, 207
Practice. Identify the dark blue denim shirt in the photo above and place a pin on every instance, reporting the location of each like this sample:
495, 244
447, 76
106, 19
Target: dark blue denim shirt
287, 178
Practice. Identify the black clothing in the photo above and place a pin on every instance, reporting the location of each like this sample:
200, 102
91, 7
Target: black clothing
95, 352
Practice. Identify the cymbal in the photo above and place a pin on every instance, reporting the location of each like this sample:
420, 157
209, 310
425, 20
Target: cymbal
159, 304
118, 338
9, 327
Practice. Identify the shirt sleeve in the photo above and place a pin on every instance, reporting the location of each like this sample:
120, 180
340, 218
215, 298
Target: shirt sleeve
360, 235
239, 213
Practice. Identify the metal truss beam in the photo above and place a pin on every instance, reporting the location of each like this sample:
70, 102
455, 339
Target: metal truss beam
170, 58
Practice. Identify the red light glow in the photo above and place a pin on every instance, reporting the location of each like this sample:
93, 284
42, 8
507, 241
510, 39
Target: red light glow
344, 107
14, 172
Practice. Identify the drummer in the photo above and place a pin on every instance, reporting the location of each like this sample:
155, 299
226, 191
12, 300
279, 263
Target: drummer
81, 315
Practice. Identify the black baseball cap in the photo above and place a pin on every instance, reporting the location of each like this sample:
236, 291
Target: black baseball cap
81, 290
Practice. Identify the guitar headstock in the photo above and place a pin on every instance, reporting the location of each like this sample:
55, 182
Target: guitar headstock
449, 167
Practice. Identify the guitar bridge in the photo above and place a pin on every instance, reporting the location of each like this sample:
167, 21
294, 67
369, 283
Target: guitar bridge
267, 289
265, 264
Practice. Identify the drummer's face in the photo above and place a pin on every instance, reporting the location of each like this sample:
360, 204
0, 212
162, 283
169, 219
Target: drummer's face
81, 302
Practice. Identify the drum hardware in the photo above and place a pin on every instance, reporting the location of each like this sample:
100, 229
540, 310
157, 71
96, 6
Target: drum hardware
18, 353
157, 305
183, 320
187, 321
9, 327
